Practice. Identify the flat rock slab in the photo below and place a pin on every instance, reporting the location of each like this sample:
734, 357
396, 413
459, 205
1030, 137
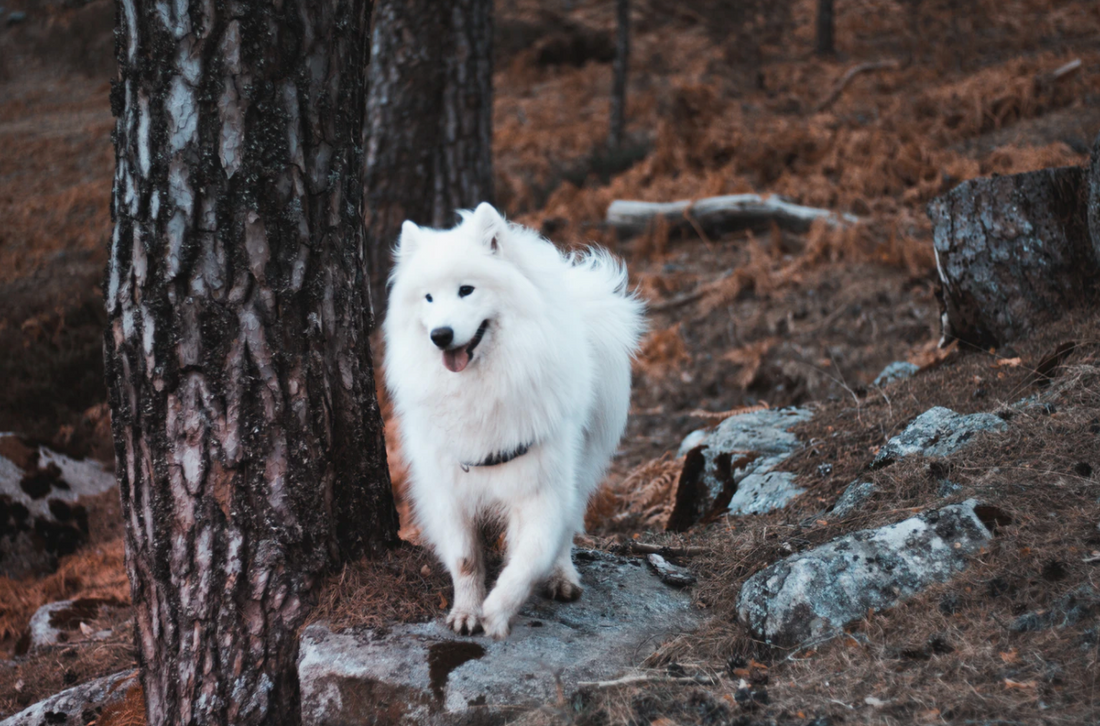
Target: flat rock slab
41, 514
425, 674
78, 705
938, 431
65, 621
731, 468
815, 593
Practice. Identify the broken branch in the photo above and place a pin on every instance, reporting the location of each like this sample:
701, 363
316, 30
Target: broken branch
849, 75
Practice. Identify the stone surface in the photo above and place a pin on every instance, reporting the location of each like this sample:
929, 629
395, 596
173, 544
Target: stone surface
815, 593
730, 468
61, 622
936, 432
853, 498
899, 370
76, 706
426, 674
1067, 611
41, 515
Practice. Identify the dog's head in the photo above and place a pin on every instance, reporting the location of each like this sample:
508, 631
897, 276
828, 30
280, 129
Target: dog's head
446, 284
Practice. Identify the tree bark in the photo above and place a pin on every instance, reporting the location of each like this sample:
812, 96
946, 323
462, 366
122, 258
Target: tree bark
620, 68
1012, 252
247, 433
1093, 204
826, 25
429, 149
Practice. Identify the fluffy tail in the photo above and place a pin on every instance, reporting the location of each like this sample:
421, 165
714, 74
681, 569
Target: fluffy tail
615, 314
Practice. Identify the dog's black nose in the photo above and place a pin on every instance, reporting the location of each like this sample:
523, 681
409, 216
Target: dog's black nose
442, 337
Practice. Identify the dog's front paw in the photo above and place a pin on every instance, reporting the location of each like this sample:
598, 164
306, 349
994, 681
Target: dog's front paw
559, 587
497, 625
464, 622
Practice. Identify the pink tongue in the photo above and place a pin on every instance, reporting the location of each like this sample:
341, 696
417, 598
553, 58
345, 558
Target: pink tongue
456, 359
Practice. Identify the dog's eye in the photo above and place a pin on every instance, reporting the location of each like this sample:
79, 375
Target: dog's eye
428, 297
465, 290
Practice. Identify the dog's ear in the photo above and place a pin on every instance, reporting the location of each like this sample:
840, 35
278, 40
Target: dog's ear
490, 225
407, 240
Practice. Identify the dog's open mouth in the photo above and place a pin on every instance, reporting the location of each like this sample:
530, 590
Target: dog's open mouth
456, 359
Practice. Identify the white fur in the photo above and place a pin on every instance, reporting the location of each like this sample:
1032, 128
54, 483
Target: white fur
552, 371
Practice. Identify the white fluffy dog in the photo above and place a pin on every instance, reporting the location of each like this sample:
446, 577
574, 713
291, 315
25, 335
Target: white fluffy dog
509, 366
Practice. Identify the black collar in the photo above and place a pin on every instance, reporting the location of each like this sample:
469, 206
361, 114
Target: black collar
500, 457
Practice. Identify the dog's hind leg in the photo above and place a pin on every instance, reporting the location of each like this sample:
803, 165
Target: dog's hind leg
565, 582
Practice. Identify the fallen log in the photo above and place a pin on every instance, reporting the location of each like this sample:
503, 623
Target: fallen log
1012, 251
719, 214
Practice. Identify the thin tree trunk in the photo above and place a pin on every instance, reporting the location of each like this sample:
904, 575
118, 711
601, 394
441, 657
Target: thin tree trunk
825, 28
249, 443
620, 67
429, 149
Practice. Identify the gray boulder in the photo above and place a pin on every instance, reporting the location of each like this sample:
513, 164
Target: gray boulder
78, 705
425, 674
731, 468
815, 593
899, 370
938, 431
65, 621
42, 516
853, 498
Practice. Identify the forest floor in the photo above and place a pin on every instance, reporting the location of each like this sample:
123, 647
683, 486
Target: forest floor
722, 100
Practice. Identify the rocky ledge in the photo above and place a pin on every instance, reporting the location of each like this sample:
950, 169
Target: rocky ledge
425, 674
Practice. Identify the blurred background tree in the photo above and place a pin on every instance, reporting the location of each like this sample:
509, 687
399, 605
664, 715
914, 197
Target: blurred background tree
430, 120
621, 67
825, 28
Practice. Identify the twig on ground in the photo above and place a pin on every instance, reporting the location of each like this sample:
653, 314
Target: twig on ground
641, 548
680, 300
699, 680
720, 416
849, 75
1060, 72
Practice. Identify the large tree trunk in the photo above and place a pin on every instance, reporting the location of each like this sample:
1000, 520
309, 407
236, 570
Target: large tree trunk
248, 438
1012, 252
620, 68
429, 149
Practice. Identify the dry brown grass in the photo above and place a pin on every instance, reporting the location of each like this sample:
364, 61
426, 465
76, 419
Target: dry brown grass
130, 711
642, 500
94, 572
891, 142
948, 654
406, 585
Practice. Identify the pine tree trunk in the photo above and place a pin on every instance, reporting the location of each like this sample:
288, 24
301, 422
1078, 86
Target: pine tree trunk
825, 28
620, 67
429, 149
248, 438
